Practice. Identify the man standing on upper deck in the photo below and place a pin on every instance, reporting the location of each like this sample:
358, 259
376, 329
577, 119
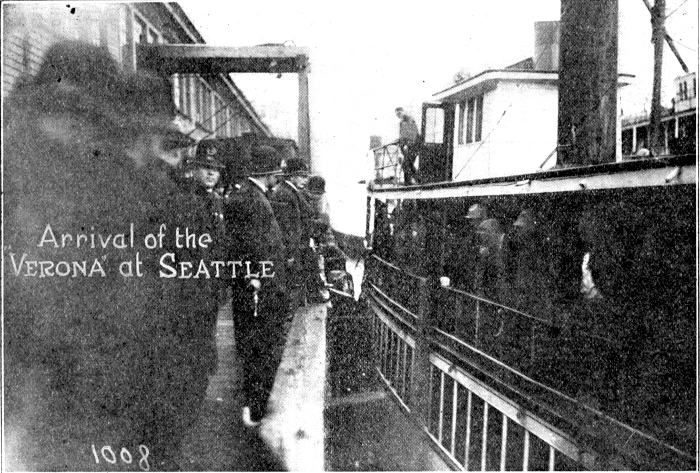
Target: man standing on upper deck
408, 142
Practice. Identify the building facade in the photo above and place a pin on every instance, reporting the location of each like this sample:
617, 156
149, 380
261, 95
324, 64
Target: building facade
678, 123
208, 106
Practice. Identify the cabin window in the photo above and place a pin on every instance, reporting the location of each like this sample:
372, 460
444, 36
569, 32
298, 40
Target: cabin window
479, 116
475, 112
642, 141
627, 142
434, 125
470, 120
460, 128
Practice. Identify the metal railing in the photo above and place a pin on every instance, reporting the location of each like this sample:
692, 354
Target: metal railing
462, 411
469, 380
559, 354
387, 164
394, 349
402, 285
480, 430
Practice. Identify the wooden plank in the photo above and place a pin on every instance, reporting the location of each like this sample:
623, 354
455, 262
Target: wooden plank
293, 428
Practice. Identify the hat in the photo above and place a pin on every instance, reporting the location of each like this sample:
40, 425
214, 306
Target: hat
147, 103
175, 139
490, 226
75, 78
90, 67
477, 212
207, 161
264, 161
526, 219
296, 166
316, 185
209, 154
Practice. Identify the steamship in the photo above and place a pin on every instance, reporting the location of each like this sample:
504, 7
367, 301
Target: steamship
533, 305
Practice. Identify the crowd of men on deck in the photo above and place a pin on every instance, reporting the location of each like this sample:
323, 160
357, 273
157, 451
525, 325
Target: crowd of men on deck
118, 363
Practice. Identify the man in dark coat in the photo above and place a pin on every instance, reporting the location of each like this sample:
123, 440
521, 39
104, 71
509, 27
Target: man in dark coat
288, 211
259, 300
298, 222
409, 142
101, 361
206, 171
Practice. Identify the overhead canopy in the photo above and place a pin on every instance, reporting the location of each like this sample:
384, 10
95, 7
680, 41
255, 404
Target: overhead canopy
206, 59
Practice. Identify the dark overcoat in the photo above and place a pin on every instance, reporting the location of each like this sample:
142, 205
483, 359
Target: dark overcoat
111, 360
256, 237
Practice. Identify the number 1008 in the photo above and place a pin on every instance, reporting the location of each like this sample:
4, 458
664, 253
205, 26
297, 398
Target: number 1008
107, 454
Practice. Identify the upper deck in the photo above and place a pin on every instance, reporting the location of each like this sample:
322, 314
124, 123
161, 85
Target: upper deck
650, 172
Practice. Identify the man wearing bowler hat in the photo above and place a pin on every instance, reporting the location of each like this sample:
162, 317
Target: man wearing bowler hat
296, 217
260, 304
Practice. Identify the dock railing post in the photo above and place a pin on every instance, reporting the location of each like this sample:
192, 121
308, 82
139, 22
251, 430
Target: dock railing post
420, 384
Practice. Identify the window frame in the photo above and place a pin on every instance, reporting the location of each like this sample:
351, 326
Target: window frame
471, 105
478, 121
460, 121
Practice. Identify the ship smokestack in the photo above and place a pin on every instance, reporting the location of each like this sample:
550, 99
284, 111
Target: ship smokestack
546, 57
587, 82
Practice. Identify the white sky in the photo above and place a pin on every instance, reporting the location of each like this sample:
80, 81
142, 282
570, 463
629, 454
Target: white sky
367, 57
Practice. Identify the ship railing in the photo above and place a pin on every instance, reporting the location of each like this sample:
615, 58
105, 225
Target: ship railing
397, 285
387, 164
395, 291
549, 345
553, 430
484, 413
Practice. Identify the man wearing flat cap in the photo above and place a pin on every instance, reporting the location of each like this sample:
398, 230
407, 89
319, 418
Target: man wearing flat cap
260, 304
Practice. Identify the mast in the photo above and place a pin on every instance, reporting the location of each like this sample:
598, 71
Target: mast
658, 16
587, 82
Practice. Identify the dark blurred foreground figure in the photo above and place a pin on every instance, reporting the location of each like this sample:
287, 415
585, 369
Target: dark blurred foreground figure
260, 302
104, 370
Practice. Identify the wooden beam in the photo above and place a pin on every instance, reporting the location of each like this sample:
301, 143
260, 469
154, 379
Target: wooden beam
206, 59
304, 127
